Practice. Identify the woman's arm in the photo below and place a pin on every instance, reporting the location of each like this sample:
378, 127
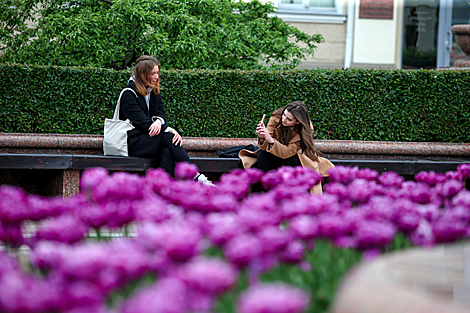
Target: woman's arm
131, 110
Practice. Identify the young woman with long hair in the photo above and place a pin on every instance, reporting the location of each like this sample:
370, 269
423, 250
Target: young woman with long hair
151, 137
287, 140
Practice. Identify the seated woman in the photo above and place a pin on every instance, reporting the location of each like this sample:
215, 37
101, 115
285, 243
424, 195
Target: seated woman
151, 137
287, 140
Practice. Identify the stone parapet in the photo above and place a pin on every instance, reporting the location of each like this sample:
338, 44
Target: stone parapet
207, 146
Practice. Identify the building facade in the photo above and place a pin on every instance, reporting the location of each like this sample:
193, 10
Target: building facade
381, 34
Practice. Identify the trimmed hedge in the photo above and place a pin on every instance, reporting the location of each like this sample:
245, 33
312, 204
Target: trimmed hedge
353, 104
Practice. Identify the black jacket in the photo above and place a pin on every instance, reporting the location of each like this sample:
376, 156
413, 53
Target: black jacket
139, 142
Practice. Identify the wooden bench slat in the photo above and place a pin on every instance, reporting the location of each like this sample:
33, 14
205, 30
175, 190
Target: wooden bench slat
112, 163
35, 161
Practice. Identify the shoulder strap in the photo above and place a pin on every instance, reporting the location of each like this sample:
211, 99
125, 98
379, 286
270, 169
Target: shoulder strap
118, 105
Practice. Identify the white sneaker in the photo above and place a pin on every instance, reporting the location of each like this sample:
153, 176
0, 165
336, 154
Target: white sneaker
203, 179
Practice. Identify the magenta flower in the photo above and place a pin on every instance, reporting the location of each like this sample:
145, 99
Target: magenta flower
332, 226
449, 188
464, 170
423, 234
179, 239
7, 263
210, 276
360, 190
221, 227
391, 179
185, 170
293, 253
454, 175
48, 255
371, 235
448, 229
273, 239
11, 235
343, 174
21, 293
367, 174
66, 228
417, 192
167, 295
92, 178
337, 189
462, 199
13, 205
272, 298
243, 250
304, 227
431, 178
155, 209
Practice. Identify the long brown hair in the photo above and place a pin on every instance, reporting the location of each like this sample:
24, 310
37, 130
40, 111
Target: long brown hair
143, 66
300, 112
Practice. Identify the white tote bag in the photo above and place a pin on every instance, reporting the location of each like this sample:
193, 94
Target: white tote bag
115, 132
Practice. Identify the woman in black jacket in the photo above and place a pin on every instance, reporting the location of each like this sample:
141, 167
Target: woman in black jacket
151, 137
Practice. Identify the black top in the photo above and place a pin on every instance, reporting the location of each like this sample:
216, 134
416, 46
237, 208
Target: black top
139, 142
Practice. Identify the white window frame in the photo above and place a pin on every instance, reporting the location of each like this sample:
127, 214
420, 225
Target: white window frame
304, 13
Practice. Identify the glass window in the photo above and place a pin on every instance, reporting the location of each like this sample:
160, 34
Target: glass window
322, 3
305, 4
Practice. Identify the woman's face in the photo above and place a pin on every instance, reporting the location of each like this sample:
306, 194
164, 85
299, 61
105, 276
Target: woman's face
153, 75
288, 120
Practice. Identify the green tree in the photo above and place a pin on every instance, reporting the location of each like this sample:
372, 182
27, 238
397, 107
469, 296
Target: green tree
183, 34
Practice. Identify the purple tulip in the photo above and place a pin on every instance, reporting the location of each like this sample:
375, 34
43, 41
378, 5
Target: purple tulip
92, 178
343, 174
337, 189
462, 199
221, 227
464, 170
211, 276
48, 255
11, 234
423, 234
185, 170
304, 227
273, 239
448, 230
179, 239
243, 250
21, 293
431, 178
65, 228
367, 174
7, 263
293, 253
167, 295
454, 175
391, 179
449, 188
272, 298
373, 235
13, 205
332, 226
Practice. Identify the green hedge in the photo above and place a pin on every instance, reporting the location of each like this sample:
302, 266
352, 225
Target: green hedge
353, 104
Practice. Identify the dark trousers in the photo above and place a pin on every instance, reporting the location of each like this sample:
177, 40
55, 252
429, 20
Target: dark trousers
169, 154
267, 161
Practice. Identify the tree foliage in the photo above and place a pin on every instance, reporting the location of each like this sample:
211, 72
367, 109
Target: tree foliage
183, 34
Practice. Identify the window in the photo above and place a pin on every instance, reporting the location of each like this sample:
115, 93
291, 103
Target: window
309, 5
312, 11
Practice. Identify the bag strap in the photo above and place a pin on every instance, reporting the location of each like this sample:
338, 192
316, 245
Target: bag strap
118, 105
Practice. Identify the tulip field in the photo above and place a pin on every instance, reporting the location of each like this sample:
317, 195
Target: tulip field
253, 243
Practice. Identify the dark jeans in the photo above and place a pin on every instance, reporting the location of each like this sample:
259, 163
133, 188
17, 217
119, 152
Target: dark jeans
267, 161
169, 154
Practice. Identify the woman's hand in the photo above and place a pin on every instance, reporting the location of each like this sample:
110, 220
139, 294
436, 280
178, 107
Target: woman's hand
155, 128
263, 133
177, 140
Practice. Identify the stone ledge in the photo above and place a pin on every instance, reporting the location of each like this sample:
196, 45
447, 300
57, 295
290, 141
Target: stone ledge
207, 146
